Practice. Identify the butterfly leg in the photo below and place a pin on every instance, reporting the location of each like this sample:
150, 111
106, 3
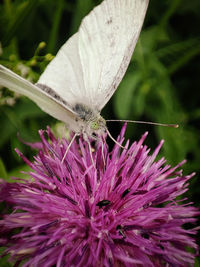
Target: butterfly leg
102, 152
72, 140
90, 149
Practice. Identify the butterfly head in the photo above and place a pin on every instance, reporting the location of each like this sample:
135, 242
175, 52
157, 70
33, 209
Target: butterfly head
97, 127
92, 124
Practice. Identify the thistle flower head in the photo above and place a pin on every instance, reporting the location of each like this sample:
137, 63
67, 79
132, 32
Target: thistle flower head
123, 212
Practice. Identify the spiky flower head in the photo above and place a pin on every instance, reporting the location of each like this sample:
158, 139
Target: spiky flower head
123, 212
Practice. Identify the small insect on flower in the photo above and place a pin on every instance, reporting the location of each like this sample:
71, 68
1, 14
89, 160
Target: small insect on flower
124, 212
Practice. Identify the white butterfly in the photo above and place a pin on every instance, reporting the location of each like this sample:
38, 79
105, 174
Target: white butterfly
88, 68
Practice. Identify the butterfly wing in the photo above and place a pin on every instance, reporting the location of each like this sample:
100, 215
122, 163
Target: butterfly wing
46, 101
107, 38
64, 74
90, 65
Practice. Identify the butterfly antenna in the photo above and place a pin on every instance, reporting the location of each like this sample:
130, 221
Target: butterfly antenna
148, 122
72, 140
115, 141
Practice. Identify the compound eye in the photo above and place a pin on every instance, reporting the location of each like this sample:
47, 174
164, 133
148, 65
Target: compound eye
94, 125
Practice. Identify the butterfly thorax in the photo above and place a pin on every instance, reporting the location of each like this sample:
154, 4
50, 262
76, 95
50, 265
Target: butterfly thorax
92, 123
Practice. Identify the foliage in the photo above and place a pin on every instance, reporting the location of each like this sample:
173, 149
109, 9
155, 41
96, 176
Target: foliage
161, 83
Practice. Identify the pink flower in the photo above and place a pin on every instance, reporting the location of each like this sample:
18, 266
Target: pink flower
121, 213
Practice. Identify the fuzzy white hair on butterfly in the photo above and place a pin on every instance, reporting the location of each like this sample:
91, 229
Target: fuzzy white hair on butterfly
87, 69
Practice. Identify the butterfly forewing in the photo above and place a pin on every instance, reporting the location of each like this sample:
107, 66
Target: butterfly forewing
90, 65
107, 38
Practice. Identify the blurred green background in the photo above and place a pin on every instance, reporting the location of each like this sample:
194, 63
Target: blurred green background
161, 84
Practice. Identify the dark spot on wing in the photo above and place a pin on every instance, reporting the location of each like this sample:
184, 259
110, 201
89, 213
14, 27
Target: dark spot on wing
52, 93
84, 112
109, 21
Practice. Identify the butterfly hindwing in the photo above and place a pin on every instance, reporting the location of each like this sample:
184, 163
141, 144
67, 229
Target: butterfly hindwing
64, 73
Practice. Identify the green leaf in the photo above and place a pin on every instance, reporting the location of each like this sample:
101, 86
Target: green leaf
182, 60
82, 8
55, 28
20, 172
197, 262
3, 172
123, 99
4, 260
18, 16
173, 6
